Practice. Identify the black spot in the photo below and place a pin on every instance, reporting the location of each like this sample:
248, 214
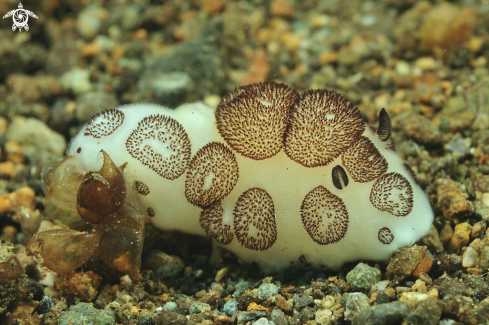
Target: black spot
78, 150
340, 178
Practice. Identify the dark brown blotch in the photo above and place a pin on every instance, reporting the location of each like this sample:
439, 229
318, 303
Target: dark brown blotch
385, 126
340, 178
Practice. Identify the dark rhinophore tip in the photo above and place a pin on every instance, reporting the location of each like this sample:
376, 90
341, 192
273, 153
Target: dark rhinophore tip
385, 126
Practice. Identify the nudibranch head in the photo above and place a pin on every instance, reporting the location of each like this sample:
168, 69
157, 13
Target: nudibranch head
277, 177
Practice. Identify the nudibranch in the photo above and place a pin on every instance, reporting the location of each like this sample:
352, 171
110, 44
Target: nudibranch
278, 178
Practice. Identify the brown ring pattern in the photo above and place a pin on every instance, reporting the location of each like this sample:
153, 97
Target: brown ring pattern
104, 123
212, 174
392, 193
160, 143
324, 216
254, 220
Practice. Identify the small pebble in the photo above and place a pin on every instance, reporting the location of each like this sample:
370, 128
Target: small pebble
245, 316
363, 276
267, 290
230, 307
198, 307
45, 305
170, 306
470, 257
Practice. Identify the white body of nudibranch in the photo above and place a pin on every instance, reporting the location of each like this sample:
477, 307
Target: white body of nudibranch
275, 177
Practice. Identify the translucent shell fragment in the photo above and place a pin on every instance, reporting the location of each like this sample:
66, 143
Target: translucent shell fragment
100, 200
101, 193
63, 250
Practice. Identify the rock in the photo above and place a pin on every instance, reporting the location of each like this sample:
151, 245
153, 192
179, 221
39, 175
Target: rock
278, 317
81, 285
461, 236
77, 80
198, 307
404, 262
446, 26
230, 307
94, 102
190, 67
169, 318
164, 266
452, 199
426, 312
246, 316
420, 129
12, 279
448, 286
36, 138
170, 306
45, 305
263, 321
363, 276
267, 290
384, 314
169, 89
354, 303
240, 288
83, 313
90, 20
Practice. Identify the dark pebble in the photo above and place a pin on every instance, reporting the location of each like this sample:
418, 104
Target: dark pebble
45, 305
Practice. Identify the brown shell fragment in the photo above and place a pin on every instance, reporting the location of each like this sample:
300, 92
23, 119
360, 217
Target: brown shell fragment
121, 243
363, 161
160, 143
212, 175
385, 236
385, 126
254, 220
324, 216
142, 188
211, 220
322, 125
253, 118
340, 178
104, 123
63, 250
392, 193
101, 193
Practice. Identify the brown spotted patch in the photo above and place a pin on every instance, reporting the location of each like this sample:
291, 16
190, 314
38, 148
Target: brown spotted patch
385, 236
392, 193
142, 188
79, 150
211, 221
212, 174
254, 220
160, 143
324, 216
253, 118
104, 123
363, 161
151, 212
322, 125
